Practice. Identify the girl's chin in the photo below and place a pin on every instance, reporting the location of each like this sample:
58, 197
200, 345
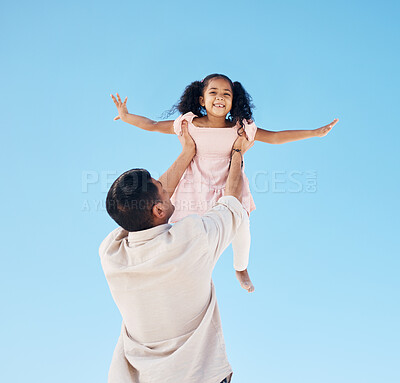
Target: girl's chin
218, 111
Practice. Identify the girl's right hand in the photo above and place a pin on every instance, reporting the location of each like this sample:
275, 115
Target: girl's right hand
243, 143
121, 106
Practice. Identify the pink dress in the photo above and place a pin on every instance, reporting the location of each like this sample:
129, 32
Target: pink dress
203, 182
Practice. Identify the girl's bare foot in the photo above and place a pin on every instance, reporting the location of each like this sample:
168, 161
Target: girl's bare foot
244, 279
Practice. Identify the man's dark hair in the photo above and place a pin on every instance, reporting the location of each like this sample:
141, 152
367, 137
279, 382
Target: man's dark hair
131, 198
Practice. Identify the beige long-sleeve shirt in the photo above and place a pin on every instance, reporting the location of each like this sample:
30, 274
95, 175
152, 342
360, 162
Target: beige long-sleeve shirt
160, 279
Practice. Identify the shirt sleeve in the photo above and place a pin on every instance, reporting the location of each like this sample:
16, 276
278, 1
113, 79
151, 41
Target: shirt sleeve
221, 224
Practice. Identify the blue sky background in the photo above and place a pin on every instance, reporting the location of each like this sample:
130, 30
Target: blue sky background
325, 249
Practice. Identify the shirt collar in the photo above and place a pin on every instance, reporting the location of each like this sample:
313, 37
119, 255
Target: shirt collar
139, 237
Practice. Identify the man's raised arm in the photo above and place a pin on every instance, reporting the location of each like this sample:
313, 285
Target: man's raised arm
234, 182
173, 175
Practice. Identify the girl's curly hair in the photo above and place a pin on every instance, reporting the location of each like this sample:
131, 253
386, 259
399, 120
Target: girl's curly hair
241, 104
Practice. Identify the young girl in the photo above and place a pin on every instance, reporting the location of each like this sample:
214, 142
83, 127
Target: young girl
216, 111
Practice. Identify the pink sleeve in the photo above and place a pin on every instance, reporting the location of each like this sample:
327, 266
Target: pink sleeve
178, 122
250, 129
178, 125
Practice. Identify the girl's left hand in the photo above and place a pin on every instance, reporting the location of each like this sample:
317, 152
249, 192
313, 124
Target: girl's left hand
322, 132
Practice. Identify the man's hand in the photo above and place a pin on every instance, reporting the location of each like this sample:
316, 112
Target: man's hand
173, 175
243, 143
187, 141
121, 106
322, 132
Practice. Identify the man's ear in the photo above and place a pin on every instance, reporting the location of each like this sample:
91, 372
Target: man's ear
201, 100
158, 210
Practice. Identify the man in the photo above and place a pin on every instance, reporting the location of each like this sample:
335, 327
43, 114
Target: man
160, 275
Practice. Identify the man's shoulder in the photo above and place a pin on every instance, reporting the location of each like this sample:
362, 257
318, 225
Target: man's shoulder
113, 238
194, 225
189, 227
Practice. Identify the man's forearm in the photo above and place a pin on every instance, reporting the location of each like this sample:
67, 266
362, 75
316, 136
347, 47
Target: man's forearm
234, 183
173, 175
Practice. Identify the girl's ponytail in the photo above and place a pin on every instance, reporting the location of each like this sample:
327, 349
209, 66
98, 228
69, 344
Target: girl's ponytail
242, 106
189, 101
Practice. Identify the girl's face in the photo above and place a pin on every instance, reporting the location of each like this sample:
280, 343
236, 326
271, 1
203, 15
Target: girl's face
217, 97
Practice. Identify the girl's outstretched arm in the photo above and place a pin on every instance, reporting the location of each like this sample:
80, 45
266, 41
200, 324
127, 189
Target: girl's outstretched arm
141, 122
285, 136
